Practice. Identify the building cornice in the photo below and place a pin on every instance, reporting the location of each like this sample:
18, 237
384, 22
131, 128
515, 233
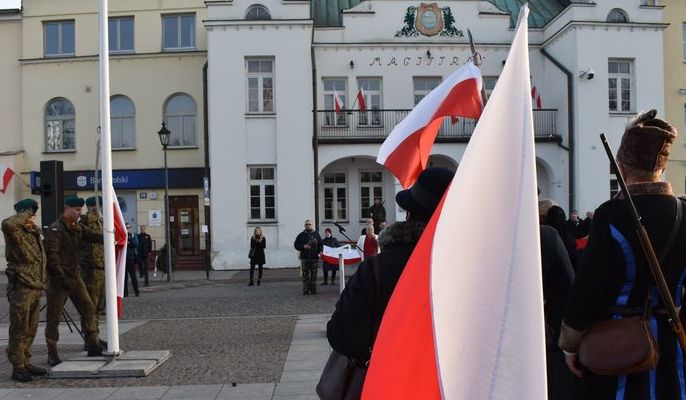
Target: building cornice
607, 25
113, 57
241, 23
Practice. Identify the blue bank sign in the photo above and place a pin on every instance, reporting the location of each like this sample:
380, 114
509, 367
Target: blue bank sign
126, 179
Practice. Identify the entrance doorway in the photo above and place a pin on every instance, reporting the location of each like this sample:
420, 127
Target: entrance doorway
184, 225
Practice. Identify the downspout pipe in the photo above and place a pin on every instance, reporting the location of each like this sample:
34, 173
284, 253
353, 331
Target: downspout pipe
206, 134
315, 133
570, 127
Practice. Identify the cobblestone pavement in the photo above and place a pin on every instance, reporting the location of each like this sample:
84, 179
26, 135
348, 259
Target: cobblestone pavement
219, 331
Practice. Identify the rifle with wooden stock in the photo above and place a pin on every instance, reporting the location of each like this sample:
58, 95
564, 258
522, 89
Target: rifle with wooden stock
649, 252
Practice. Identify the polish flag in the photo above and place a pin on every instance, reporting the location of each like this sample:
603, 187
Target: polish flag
466, 322
120, 238
338, 103
330, 255
7, 174
406, 150
361, 101
535, 97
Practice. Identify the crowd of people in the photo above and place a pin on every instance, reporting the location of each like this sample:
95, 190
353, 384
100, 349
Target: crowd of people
67, 262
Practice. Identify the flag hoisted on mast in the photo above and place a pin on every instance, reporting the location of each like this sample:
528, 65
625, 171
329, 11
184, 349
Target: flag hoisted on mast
471, 327
108, 193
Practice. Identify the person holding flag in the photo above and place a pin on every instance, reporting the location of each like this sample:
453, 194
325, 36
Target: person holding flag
63, 243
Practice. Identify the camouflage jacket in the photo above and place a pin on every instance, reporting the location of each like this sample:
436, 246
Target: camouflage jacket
63, 245
24, 251
93, 254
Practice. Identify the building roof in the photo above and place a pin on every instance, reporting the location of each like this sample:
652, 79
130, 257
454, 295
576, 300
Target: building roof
327, 13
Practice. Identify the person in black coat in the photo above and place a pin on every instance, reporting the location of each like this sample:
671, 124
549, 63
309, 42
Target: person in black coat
613, 279
557, 219
353, 325
257, 245
330, 241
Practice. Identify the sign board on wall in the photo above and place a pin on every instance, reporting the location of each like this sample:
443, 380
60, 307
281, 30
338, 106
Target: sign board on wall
154, 218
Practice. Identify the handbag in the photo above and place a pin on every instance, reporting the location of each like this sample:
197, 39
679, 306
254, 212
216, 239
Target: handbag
625, 346
251, 253
343, 377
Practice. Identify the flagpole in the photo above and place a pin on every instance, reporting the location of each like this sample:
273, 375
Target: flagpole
108, 200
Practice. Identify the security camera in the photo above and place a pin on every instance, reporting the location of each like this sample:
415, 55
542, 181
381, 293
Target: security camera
587, 74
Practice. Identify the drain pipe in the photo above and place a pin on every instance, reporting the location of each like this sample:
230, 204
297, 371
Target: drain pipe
570, 127
206, 133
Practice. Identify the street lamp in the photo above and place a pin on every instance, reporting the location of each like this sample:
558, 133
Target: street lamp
164, 140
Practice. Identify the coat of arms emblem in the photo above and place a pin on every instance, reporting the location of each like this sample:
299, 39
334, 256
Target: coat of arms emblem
429, 19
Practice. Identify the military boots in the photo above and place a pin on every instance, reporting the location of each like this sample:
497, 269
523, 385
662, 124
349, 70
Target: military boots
36, 371
53, 358
21, 374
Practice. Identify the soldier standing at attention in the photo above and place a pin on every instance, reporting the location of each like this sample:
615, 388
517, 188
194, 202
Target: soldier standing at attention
25, 282
93, 264
64, 241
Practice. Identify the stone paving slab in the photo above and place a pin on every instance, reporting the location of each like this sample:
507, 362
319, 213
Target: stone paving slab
33, 394
192, 392
86, 394
247, 391
76, 369
139, 393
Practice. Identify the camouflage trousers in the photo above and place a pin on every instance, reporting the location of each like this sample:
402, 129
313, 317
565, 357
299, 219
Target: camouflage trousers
24, 313
94, 279
309, 273
57, 298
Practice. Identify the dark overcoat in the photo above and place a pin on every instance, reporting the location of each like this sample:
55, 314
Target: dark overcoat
258, 258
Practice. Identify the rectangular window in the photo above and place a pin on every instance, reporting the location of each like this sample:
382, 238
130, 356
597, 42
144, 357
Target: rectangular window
372, 97
260, 85
262, 192
121, 35
58, 38
489, 84
423, 85
620, 85
333, 86
335, 196
178, 32
371, 188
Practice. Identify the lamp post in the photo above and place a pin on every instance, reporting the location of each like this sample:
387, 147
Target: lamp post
164, 135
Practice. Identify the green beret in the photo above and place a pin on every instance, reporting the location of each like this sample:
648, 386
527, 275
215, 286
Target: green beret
90, 202
73, 201
26, 204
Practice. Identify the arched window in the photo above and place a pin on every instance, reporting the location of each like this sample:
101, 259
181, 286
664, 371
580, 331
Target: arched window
179, 115
617, 15
123, 122
59, 125
257, 12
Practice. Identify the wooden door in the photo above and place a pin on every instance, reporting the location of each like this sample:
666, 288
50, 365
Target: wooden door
185, 226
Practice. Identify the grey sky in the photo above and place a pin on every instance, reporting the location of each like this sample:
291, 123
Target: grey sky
9, 4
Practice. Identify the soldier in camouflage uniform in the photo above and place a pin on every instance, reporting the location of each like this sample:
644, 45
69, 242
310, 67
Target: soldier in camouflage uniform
64, 241
25, 282
93, 264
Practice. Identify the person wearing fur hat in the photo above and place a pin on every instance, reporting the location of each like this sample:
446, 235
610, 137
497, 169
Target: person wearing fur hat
64, 240
353, 325
25, 282
613, 279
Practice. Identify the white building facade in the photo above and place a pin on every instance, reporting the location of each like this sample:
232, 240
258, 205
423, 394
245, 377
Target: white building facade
280, 154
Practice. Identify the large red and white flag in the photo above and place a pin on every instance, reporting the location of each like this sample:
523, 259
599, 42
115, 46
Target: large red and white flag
361, 101
7, 173
120, 238
350, 256
466, 318
337, 102
406, 150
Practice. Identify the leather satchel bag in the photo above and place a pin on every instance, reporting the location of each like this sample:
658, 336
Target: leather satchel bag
343, 377
625, 346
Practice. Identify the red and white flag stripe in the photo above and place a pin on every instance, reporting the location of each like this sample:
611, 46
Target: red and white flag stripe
7, 174
361, 100
330, 255
406, 150
120, 238
535, 97
338, 103
464, 322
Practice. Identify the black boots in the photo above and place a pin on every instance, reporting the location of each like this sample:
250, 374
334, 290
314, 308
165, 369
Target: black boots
53, 358
36, 371
251, 283
21, 374
258, 282
94, 350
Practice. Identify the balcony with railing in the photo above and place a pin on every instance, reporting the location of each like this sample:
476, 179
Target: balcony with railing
354, 126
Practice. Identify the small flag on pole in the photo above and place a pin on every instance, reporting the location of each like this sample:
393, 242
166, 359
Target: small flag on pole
361, 100
120, 238
535, 97
338, 103
406, 150
7, 174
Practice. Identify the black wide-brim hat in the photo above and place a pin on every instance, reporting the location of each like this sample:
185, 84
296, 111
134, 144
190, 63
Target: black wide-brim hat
423, 197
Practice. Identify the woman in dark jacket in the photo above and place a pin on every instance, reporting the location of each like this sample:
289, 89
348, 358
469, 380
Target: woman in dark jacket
556, 218
330, 241
257, 245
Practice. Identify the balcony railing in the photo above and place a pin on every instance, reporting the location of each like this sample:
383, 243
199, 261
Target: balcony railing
377, 124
